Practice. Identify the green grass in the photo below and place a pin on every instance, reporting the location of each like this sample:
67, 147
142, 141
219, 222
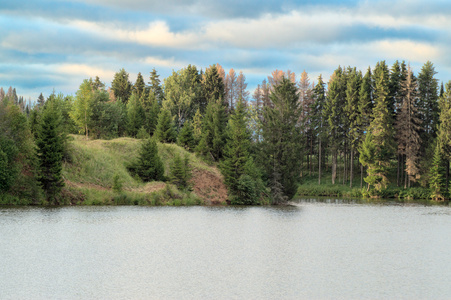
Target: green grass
92, 165
310, 187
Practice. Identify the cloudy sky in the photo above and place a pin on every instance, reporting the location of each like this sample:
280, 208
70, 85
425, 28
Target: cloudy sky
55, 44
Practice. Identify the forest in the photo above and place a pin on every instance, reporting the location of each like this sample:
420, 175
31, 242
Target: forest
380, 132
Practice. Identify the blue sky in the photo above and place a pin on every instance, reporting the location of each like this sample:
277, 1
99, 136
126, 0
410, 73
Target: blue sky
54, 44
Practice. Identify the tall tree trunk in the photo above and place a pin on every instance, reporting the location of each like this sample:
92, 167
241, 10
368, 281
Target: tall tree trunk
351, 169
334, 166
311, 156
319, 162
397, 175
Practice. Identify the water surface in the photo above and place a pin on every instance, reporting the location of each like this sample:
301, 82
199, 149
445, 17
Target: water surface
314, 251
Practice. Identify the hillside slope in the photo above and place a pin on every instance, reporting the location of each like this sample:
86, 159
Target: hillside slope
92, 164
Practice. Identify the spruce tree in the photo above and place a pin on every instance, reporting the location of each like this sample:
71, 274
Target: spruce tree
213, 85
186, 136
407, 126
428, 92
50, 147
140, 87
318, 122
155, 86
165, 130
149, 166
281, 134
437, 180
381, 129
211, 144
180, 173
121, 86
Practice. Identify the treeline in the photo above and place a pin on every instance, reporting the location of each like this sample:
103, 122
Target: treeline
386, 125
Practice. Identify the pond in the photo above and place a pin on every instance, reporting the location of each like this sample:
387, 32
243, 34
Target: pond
315, 250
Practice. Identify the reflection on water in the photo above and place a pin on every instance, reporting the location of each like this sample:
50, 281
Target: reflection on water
316, 250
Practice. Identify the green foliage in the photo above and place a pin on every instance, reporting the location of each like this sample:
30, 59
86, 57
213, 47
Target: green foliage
50, 152
437, 172
186, 136
83, 107
117, 184
182, 91
165, 131
280, 136
135, 115
8, 167
148, 166
213, 85
180, 173
142, 134
211, 144
121, 86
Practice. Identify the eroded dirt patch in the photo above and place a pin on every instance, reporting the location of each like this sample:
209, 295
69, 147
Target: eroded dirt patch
209, 186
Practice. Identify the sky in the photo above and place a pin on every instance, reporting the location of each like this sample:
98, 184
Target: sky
52, 45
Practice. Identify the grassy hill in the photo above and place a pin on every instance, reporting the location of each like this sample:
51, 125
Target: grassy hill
92, 164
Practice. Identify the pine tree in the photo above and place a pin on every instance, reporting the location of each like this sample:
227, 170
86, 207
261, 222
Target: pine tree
50, 149
165, 130
121, 86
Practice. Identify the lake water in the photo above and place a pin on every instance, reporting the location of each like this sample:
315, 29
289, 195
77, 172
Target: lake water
314, 251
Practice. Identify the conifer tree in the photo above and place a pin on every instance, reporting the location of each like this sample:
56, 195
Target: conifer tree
50, 147
352, 112
281, 134
213, 85
365, 109
408, 125
428, 104
186, 136
180, 173
444, 129
155, 86
333, 111
165, 130
152, 110
318, 119
41, 101
236, 152
136, 117
381, 130
211, 144
121, 86
149, 166
140, 87
8, 168
437, 180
